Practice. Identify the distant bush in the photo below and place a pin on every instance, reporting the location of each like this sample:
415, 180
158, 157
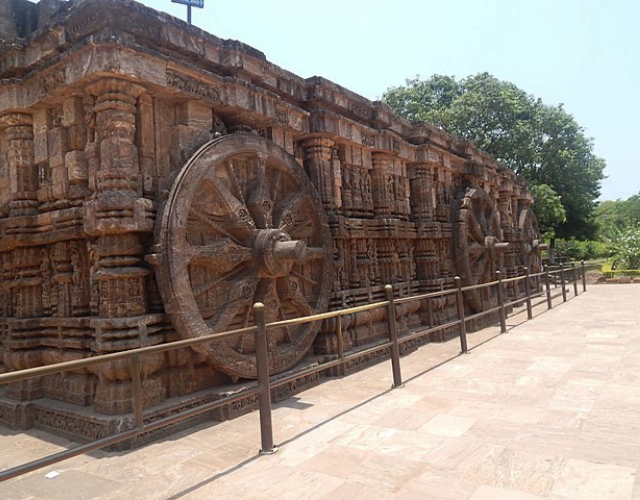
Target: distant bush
580, 250
624, 246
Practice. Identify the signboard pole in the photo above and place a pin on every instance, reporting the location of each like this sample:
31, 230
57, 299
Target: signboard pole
189, 4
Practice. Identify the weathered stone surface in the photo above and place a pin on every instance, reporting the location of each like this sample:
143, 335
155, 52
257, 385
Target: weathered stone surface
155, 181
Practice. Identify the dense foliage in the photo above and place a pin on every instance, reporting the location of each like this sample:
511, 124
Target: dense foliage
580, 250
624, 247
613, 216
542, 143
618, 225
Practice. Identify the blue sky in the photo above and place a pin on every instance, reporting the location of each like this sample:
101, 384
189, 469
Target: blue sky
583, 53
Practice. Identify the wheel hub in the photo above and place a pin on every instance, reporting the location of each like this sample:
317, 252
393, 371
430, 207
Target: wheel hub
279, 252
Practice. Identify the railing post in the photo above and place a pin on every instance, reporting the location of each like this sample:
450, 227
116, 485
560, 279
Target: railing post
136, 392
393, 336
516, 292
547, 284
463, 323
503, 314
584, 277
340, 342
528, 292
430, 312
562, 282
574, 278
264, 389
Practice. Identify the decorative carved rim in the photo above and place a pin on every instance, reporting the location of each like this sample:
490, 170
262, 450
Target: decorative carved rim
242, 224
478, 246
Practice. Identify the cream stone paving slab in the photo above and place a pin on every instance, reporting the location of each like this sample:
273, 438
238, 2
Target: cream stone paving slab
405, 418
353, 490
388, 472
447, 425
583, 480
437, 484
364, 437
83, 485
493, 493
451, 452
335, 460
408, 444
302, 485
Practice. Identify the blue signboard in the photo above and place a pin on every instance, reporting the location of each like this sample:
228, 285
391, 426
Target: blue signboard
191, 3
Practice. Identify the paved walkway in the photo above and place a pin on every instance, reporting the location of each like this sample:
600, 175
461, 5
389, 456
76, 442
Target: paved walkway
549, 410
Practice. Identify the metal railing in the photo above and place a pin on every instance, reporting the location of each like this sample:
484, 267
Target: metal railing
264, 383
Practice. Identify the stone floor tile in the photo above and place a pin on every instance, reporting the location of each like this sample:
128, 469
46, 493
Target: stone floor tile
437, 484
337, 461
409, 444
353, 490
302, 485
83, 485
447, 425
405, 418
451, 452
364, 437
493, 493
583, 480
388, 472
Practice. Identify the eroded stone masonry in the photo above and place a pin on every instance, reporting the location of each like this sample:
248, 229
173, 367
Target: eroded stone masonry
156, 181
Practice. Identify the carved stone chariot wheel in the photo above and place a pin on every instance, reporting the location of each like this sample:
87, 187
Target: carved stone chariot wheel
530, 243
242, 224
477, 245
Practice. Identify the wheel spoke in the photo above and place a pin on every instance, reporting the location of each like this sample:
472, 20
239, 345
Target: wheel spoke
259, 202
236, 298
286, 215
273, 312
277, 181
237, 217
475, 231
291, 294
223, 256
475, 249
233, 180
304, 278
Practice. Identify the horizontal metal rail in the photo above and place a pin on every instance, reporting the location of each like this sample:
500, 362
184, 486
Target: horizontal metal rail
264, 383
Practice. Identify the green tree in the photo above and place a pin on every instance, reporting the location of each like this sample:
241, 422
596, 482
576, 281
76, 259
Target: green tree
613, 216
548, 208
542, 143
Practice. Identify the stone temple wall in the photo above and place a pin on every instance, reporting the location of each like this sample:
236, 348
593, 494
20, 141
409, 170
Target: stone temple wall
156, 180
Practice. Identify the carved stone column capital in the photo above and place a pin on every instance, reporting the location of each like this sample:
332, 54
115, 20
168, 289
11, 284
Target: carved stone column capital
112, 85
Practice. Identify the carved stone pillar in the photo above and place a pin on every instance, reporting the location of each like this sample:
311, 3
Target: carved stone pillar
117, 214
23, 174
382, 189
323, 165
27, 283
420, 177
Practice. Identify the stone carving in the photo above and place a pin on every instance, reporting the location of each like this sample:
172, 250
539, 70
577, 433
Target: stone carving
478, 245
243, 224
184, 83
530, 242
155, 181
